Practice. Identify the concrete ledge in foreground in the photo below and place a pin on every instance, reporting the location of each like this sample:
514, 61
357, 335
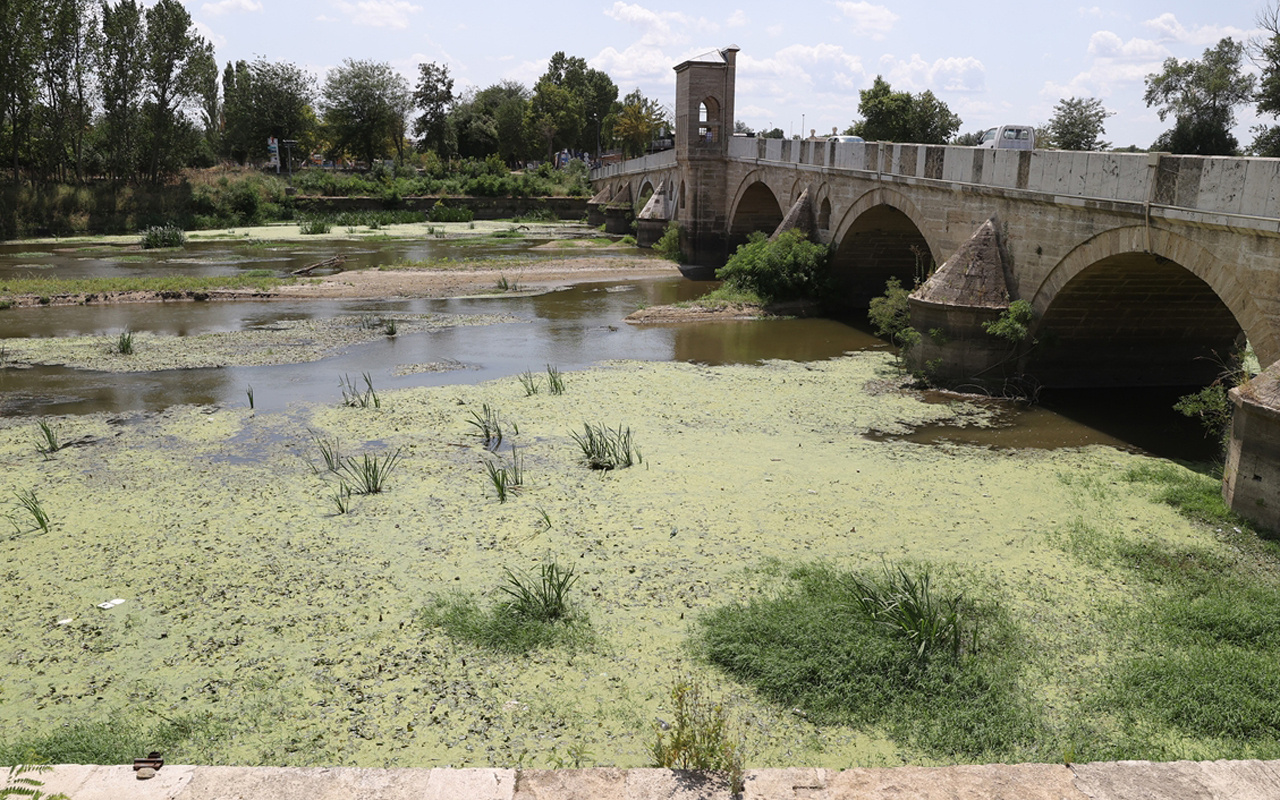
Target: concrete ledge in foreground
1122, 780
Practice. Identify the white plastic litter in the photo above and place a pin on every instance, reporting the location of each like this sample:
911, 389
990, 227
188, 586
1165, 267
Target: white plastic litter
111, 603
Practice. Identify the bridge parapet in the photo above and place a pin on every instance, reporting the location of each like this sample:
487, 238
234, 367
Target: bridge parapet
654, 161
1226, 192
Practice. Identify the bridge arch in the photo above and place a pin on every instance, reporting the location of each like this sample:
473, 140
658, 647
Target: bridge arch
877, 238
755, 208
1116, 311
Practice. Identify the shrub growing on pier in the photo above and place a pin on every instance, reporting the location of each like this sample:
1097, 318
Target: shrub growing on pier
788, 267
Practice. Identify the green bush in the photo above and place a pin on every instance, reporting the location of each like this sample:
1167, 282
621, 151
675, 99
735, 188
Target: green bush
668, 245
443, 213
699, 737
159, 236
788, 267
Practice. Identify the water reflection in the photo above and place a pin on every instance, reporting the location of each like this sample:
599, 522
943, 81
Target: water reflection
571, 328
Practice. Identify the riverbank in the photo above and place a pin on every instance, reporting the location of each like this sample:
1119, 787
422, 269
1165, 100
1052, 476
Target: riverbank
259, 624
573, 253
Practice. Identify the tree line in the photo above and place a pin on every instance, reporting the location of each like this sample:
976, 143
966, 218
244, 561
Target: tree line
117, 90
134, 94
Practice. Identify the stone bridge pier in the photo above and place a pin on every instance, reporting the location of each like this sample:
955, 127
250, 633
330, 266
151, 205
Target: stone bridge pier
1131, 269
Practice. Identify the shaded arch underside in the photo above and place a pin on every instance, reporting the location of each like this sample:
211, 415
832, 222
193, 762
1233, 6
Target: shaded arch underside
1133, 319
882, 243
758, 210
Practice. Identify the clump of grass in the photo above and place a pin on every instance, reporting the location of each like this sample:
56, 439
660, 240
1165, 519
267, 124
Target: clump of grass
507, 478
358, 398
530, 383
505, 285
555, 381
47, 441
390, 328
907, 605
249, 393
158, 236
699, 737
607, 448
28, 501
314, 226
814, 645
330, 452
369, 474
342, 497
541, 598
124, 343
488, 424
536, 612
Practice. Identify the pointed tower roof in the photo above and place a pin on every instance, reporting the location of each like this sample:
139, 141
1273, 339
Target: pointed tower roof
975, 276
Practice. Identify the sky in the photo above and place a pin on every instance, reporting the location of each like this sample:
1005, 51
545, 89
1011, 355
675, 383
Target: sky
801, 63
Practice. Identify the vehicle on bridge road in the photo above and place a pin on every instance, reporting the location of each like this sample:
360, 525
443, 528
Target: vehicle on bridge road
1009, 137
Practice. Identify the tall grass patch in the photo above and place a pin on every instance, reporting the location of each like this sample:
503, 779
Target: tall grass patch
828, 643
116, 740
529, 611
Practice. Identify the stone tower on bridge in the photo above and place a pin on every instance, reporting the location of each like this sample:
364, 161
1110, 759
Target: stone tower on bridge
704, 123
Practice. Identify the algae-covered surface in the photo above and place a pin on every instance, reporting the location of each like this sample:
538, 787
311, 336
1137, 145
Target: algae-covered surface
296, 631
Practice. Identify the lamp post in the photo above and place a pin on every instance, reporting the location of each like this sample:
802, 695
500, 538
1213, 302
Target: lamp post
288, 150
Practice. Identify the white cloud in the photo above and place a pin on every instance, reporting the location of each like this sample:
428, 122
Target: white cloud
226, 6
955, 74
1168, 28
1105, 44
658, 27
868, 20
378, 13
738, 19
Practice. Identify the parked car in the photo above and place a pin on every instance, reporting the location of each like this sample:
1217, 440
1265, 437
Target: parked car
1010, 137
845, 139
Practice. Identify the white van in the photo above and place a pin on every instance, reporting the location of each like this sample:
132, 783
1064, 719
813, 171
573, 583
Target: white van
1010, 137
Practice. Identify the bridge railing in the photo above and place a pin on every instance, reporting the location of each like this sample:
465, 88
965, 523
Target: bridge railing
661, 160
1245, 191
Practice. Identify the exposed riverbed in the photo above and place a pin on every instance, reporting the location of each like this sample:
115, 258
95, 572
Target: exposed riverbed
292, 634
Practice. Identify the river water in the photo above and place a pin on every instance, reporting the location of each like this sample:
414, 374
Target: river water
570, 328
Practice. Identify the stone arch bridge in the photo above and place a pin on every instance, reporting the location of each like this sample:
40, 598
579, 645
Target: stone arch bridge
1141, 269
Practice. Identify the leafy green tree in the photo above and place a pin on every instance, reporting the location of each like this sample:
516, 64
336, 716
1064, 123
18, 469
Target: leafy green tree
177, 64
570, 104
120, 71
64, 107
903, 117
263, 99
774, 133
492, 122
554, 116
365, 104
1078, 124
1265, 52
637, 123
1202, 97
20, 46
433, 95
